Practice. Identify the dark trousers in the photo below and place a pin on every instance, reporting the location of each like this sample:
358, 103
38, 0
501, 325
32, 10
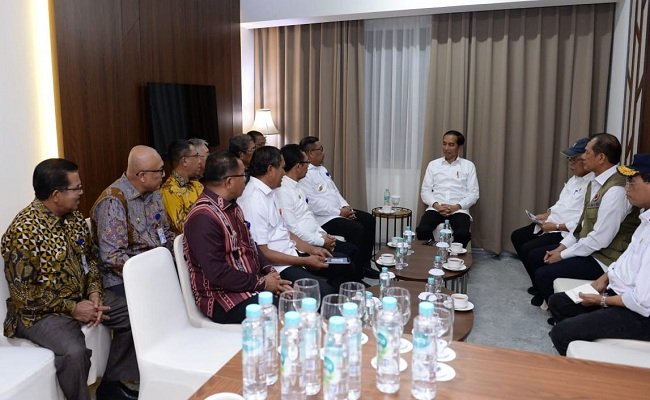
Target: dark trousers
576, 322
525, 241
360, 232
62, 334
574, 267
236, 314
460, 224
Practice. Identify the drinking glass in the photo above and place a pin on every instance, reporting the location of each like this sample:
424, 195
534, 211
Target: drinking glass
394, 200
403, 297
401, 251
310, 287
356, 293
445, 329
289, 301
331, 305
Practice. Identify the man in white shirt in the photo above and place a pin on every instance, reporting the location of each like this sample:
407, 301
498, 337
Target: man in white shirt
449, 189
559, 219
279, 246
621, 310
297, 216
331, 210
603, 231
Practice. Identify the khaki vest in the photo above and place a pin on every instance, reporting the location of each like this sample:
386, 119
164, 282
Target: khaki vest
609, 254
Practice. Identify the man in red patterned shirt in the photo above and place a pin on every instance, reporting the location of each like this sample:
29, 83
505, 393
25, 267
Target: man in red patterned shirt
227, 270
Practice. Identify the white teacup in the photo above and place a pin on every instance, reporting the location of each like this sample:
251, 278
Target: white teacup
456, 247
455, 263
394, 199
387, 259
386, 209
460, 300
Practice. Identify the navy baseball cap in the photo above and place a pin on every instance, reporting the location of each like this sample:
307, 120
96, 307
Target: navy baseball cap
640, 165
577, 148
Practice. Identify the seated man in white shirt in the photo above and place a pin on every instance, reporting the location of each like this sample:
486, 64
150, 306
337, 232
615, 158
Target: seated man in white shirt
279, 246
622, 309
603, 231
559, 219
332, 211
449, 189
296, 214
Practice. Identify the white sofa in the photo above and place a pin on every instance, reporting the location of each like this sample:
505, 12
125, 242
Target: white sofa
634, 353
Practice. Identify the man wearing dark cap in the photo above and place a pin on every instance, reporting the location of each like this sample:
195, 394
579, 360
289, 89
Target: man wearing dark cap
621, 309
604, 230
561, 218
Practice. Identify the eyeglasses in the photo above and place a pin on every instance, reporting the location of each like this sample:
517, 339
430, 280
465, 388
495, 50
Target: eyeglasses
77, 189
317, 149
251, 150
193, 155
234, 176
574, 159
159, 171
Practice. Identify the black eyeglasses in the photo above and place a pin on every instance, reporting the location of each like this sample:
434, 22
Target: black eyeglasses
77, 189
192, 156
159, 171
234, 176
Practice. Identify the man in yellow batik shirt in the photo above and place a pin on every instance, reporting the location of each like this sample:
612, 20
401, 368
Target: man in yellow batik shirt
181, 190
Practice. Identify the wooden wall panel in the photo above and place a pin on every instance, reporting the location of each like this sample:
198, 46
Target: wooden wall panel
108, 49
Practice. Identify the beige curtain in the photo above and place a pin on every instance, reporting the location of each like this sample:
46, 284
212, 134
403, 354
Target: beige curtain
522, 85
311, 77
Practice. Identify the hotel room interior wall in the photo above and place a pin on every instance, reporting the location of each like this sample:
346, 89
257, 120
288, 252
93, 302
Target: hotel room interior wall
108, 50
25, 138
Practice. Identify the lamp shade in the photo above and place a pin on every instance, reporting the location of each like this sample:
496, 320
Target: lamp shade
264, 122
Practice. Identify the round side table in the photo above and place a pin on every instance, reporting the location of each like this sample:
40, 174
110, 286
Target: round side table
384, 219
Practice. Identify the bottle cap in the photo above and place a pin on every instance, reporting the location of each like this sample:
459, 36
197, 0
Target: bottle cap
384, 269
436, 272
265, 298
430, 280
425, 309
309, 304
368, 295
438, 259
253, 311
292, 319
350, 309
390, 303
337, 324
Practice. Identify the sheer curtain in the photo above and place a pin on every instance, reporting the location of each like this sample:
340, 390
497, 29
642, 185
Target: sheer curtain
396, 73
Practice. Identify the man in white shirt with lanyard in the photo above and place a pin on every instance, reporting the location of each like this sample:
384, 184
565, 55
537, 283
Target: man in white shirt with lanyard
279, 246
604, 230
331, 210
561, 218
621, 310
293, 205
449, 189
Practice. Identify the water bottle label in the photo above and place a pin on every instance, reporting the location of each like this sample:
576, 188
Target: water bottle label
251, 344
331, 372
421, 340
383, 347
288, 357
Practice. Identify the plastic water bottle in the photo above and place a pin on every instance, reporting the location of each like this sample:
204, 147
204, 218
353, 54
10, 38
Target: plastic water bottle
408, 238
423, 368
369, 315
335, 369
311, 343
387, 199
437, 262
438, 276
353, 332
389, 332
449, 232
292, 382
384, 281
270, 319
253, 361
428, 287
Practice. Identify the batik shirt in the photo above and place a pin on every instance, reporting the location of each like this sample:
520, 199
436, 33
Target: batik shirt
179, 194
50, 265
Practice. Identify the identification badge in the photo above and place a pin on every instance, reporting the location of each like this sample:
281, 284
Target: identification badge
161, 235
85, 264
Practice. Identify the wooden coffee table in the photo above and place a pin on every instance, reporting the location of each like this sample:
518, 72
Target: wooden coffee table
421, 261
463, 320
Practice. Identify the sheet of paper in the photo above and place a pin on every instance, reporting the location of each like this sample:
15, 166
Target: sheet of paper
586, 288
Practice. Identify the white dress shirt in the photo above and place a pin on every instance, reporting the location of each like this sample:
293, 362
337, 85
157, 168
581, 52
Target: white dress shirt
613, 209
296, 214
325, 200
266, 225
629, 276
568, 208
450, 183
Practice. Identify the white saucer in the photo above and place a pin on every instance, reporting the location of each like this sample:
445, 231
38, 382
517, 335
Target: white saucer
470, 306
455, 253
402, 364
364, 338
448, 354
405, 346
445, 373
224, 396
424, 296
381, 210
391, 244
446, 266
384, 264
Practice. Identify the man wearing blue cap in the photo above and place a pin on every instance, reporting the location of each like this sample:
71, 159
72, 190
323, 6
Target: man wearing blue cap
622, 308
561, 218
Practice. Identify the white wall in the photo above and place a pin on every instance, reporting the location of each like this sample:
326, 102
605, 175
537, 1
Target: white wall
25, 126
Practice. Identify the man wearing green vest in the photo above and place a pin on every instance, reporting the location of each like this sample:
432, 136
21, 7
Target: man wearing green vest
605, 227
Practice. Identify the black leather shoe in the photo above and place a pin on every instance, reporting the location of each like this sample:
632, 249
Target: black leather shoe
531, 290
551, 321
112, 390
537, 300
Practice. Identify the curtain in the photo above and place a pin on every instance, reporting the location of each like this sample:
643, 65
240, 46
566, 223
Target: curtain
396, 73
537, 82
311, 77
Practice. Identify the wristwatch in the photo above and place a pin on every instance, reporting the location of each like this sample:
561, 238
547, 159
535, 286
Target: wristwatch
603, 301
